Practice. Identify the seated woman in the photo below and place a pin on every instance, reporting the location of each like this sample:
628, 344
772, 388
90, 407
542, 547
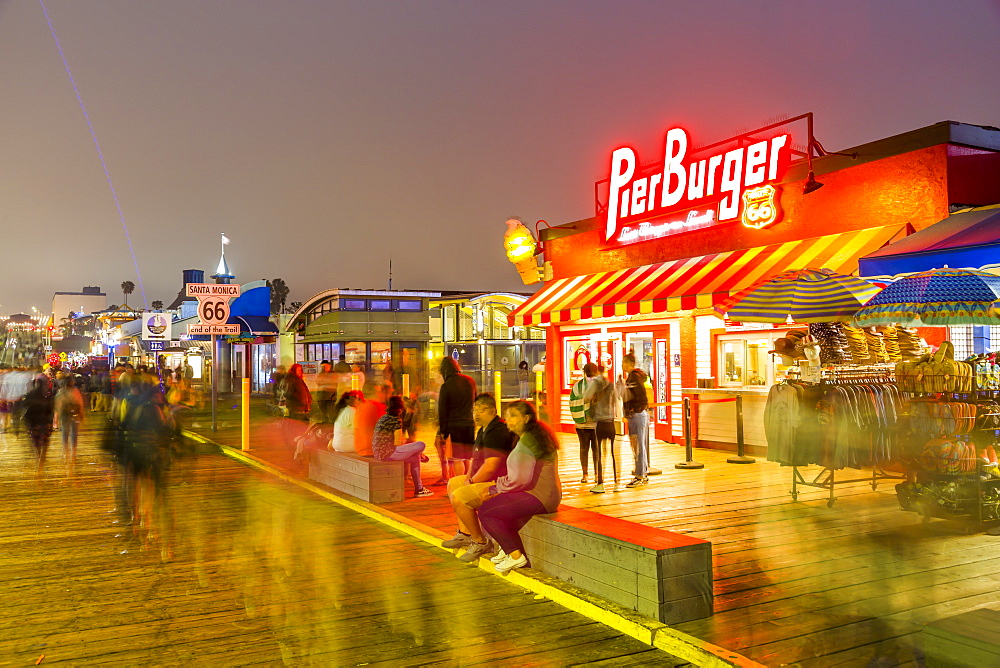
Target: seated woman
388, 432
531, 486
343, 415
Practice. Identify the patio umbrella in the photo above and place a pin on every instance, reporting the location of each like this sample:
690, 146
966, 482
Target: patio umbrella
935, 298
807, 295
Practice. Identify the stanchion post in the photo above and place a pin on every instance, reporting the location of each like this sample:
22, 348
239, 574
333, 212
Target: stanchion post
538, 391
497, 390
740, 457
406, 385
246, 414
688, 440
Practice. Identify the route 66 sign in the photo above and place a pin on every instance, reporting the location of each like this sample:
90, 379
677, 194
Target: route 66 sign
760, 207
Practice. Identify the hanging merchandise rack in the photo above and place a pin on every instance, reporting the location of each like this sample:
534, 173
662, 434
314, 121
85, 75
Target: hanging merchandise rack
881, 441
956, 475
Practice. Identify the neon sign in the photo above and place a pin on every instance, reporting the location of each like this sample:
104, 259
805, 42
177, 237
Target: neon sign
730, 184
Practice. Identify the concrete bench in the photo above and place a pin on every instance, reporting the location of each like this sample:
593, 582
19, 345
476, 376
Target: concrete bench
363, 477
969, 639
661, 574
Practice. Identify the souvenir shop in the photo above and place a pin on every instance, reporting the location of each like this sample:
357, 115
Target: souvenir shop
684, 229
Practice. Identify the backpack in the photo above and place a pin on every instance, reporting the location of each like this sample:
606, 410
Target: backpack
579, 410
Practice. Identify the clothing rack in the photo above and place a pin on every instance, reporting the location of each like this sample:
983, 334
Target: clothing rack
826, 478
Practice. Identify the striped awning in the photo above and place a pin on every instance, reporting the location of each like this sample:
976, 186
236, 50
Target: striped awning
697, 282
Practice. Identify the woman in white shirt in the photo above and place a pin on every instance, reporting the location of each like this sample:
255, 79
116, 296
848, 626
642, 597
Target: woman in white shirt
343, 426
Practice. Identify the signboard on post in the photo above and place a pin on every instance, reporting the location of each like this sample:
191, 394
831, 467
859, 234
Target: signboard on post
217, 330
200, 290
155, 346
156, 326
213, 311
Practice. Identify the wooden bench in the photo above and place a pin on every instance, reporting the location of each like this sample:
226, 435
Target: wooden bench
661, 574
969, 639
363, 477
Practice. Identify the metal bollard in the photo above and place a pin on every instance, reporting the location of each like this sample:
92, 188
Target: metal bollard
688, 440
740, 457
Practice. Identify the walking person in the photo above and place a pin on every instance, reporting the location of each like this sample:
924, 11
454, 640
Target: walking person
387, 445
69, 409
603, 398
38, 411
326, 391
294, 397
580, 410
523, 381
531, 486
632, 388
456, 428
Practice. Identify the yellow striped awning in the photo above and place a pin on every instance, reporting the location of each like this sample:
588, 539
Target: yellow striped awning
696, 282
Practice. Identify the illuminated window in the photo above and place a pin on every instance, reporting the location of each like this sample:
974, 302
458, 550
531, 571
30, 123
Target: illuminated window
381, 305
353, 304
355, 352
405, 305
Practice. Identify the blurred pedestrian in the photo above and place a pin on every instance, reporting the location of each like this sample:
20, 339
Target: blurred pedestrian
523, 381
38, 414
69, 409
296, 402
326, 391
456, 428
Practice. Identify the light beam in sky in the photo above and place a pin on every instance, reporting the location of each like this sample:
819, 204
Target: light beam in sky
97, 145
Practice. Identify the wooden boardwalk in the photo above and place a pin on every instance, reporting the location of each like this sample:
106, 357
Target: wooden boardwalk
247, 570
796, 582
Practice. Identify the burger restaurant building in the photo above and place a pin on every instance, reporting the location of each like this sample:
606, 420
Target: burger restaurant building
677, 233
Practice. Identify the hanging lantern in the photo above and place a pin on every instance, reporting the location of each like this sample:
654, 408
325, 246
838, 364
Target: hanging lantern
521, 247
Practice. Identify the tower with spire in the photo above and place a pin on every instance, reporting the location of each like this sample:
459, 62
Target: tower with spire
222, 273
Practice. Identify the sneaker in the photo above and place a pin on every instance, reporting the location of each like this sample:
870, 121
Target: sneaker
637, 482
597, 489
439, 482
618, 487
423, 491
476, 550
499, 556
458, 540
509, 563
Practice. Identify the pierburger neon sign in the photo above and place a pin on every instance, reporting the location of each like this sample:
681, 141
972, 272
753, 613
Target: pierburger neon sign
685, 194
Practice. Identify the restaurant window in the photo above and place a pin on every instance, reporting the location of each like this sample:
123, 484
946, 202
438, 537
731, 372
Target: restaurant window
353, 305
448, 313
744, 359
409, 305
381, 305
381, 353
466, 324
498, 318
355, 352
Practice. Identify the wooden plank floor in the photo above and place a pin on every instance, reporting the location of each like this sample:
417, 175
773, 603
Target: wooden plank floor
248, 570
796, 582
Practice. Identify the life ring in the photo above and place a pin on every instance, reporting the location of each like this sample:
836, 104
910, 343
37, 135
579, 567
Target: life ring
585, 354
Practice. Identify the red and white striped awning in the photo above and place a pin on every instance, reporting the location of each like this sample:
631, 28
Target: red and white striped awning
696, 282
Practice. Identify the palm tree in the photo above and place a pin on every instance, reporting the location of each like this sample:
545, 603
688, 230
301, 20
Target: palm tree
279, 293
157, 305
128, 287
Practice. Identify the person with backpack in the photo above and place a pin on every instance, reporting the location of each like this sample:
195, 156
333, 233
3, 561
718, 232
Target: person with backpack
586, 426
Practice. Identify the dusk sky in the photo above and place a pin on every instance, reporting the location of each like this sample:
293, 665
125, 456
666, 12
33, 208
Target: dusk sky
324, 137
